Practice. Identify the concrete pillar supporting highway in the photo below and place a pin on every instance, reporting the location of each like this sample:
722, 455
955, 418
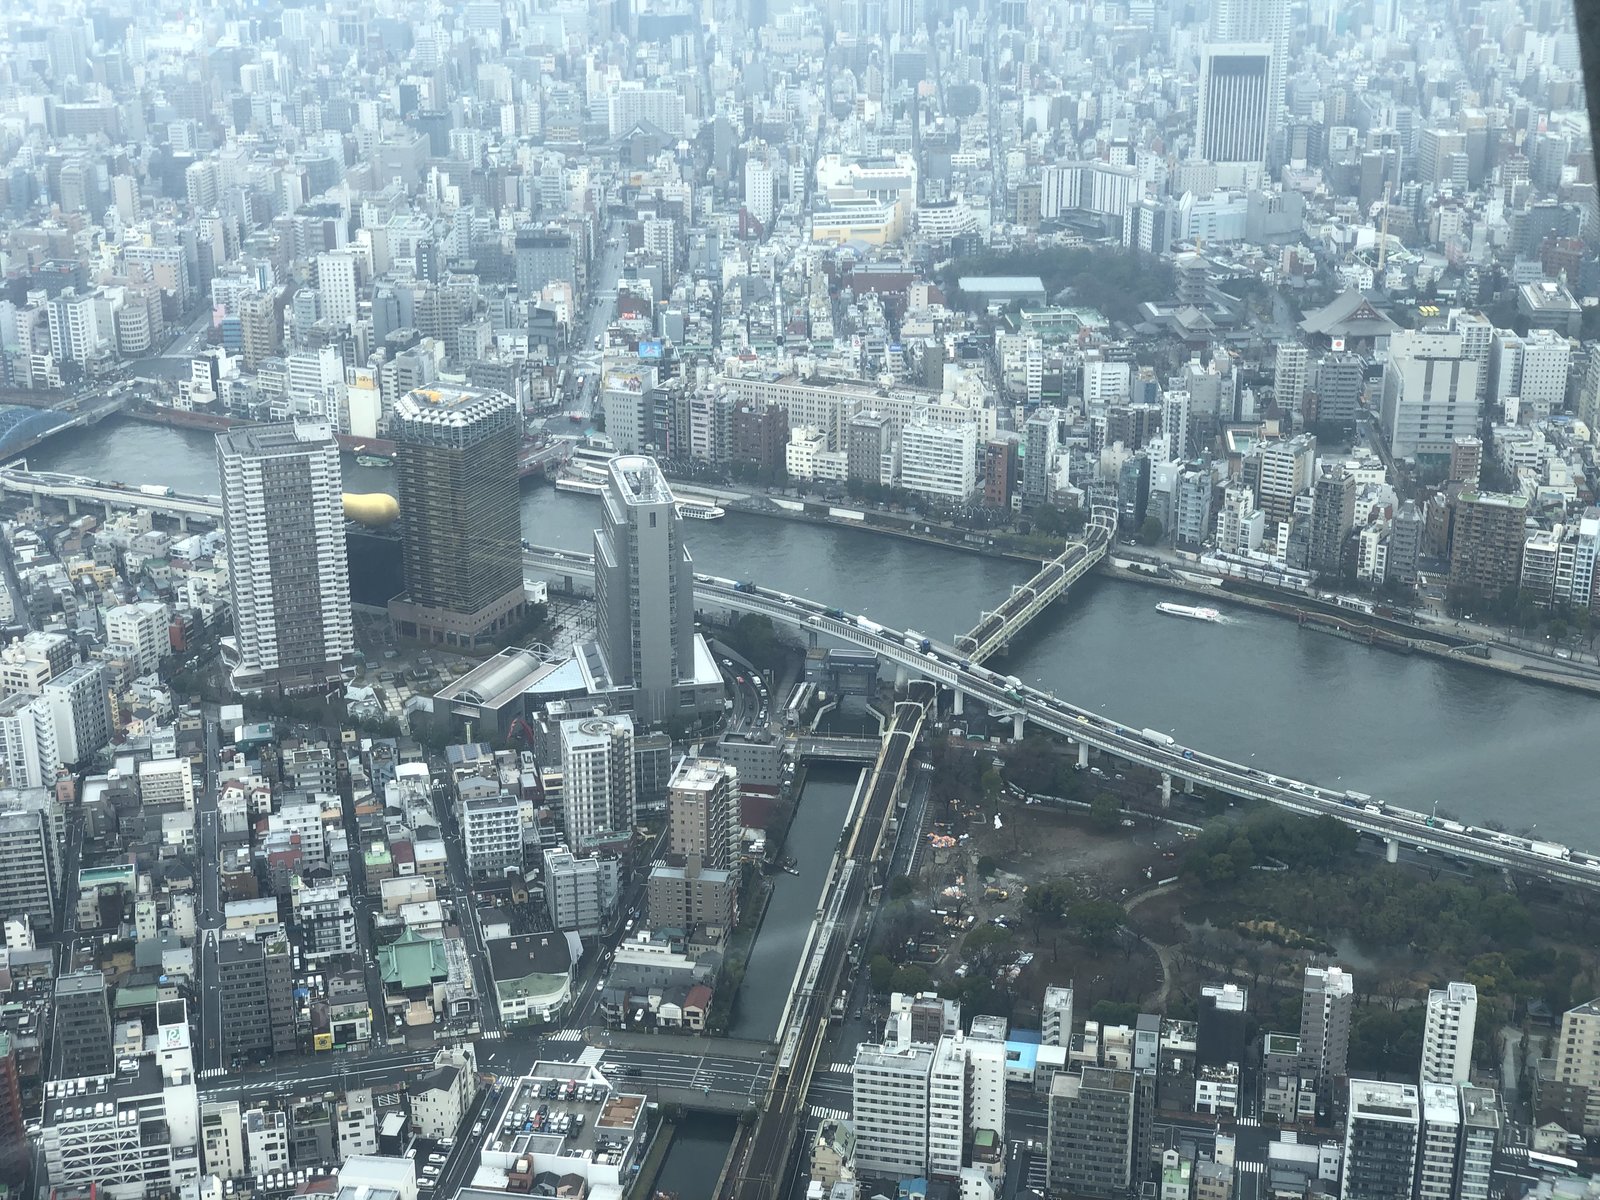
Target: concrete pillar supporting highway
901, 679
1188, 787
1017, 723
813, 639
1083, 756
183, 522
1391, 849
1166, 790
72, 506
957, 702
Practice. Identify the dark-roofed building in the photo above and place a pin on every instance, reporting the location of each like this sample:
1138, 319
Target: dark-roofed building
533, 975
1349, 322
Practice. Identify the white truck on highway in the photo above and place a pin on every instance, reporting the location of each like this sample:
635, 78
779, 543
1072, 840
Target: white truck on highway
1156, 738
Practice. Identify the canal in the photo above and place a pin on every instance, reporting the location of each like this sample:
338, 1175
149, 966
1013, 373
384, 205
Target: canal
697, 1155
1412, 730
813, 837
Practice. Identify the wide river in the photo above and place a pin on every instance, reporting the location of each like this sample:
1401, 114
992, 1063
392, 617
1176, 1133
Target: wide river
1413, 731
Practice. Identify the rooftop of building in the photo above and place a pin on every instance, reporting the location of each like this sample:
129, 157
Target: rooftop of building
638, 480
1382, 1100
271, 441
700, 775
450, 406
611, 1120
95, 1096
1493, 499
522, 955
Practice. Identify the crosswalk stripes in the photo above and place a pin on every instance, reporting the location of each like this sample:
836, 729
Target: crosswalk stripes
213, 1072
1247, 1166
840, 1068
1248, 1122
829, 1114
567, 1035
492, 1035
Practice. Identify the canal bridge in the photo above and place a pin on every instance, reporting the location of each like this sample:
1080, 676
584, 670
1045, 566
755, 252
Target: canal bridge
836, 749
1092, 731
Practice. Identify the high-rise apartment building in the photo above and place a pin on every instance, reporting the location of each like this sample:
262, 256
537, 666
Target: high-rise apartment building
889, 1087
703, 812
29, 757
869, 453
597, 769
337, 286
1430, 393
939, 461
1332, 517
254, 983
580, 893
1439, 1142
1576, 1061
33, 831
1327, 998
79, 700
947, 1107
456, 463
1447, 1034
491, 834
1235, 108
1094, 1138
1290, 375
1040, 443
1341, 379
81, 1026
1487, 536
283, 508
1479, 1141
644, 594
1055, 1023
1380, 1141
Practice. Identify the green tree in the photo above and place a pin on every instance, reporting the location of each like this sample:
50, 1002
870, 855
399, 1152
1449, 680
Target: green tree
900, 887
1152, 531
1096, 921
1104, 811
881, 970
909, 979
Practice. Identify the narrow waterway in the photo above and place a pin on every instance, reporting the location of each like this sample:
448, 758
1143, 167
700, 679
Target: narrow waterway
813, 838
697, 1155
1414, 731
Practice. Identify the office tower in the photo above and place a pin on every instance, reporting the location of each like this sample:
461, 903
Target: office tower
760, 189
79, 700
1487, 536
1430, 393
460, 523
947, 1106
1341, 378
1327, 997
644, 590
1094, 1138
1577, 1066
33, 831
1234, 123
1477, 343
1332, 517
869, 456
337, 287
1447, 1034
1263, 21
1405, 543
1055, 1023
287, 573
1380, 1141
999, 473
1466, 459
1290, 376
81, 1026
703, 812
1220, 1038
260, 328
890, 1091
597, 785
1040, 439
222, 1139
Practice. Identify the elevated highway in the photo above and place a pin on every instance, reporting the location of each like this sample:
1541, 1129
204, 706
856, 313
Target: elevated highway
1007, 695
75, 489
